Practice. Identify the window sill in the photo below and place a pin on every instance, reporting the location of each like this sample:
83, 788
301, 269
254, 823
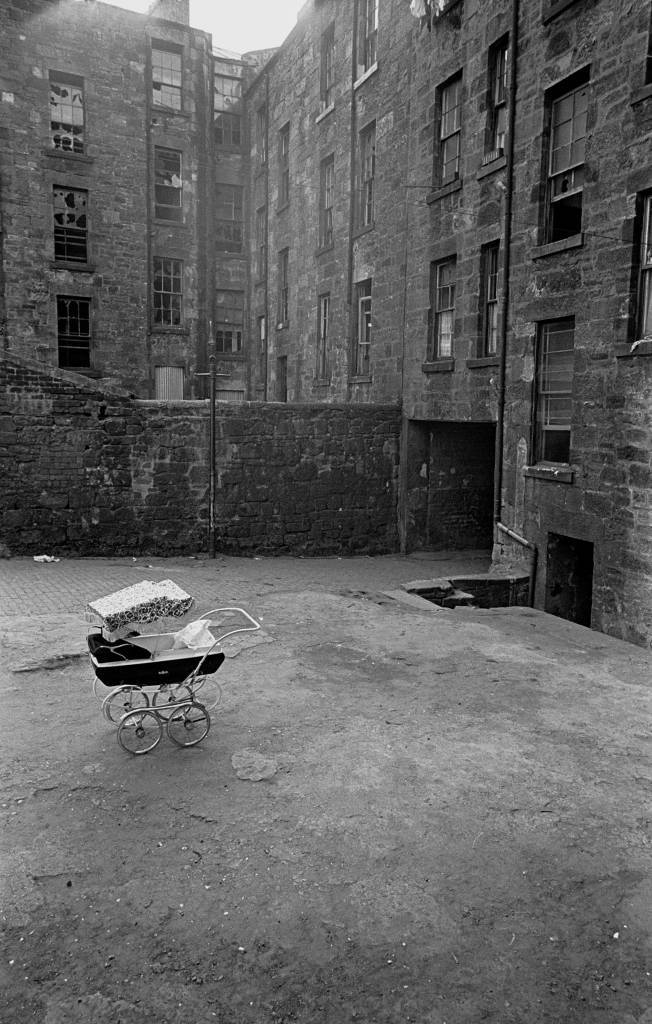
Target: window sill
363, 230
645, 93
323, 249
551, 248
228, 253
63, 154
162, 329
165, 223
637, 348
443, 190
231, 357
438, 366
367, 74
555, 7
475, 364
557, 472
283, 207
81, 268
492, 166
325, 112
321, 382
362, 378
163, 109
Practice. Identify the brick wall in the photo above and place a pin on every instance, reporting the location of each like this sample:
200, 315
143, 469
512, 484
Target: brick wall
94, 472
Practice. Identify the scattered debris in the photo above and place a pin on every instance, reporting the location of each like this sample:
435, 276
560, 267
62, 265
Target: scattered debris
45, 558
251, 766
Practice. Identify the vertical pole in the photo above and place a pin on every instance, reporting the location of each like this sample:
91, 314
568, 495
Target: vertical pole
211, 472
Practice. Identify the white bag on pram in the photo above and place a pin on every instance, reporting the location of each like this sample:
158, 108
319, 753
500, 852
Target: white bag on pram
195, 634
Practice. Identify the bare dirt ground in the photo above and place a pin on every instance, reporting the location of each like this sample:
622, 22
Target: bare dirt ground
454, 828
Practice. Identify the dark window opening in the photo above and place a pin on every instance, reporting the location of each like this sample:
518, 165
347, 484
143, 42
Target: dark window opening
74, 331
569, 578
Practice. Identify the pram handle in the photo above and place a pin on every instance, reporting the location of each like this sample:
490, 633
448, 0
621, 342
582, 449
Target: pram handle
241, 629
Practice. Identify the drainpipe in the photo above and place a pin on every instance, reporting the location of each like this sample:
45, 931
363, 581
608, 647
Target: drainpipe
533, 557
507, 234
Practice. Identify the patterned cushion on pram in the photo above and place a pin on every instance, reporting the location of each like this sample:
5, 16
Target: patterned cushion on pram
105, 651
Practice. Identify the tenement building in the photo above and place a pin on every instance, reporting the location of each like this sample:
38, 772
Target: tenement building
442, 205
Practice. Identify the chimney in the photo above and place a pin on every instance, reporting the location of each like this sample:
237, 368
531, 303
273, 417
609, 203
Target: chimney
171, 10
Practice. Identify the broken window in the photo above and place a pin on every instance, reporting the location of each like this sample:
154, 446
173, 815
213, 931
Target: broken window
74, 331
230, 321
326, 74
168, 291
554, 390
284, 165
323, 328
450, 130
70, 225
168, 191
67, 112
326, 197
367, 35
645, 271
283, 287
362, 355
166, 77
442, 307
229, 222
366, 175
489, 275
497, 100
227, 85
568, 113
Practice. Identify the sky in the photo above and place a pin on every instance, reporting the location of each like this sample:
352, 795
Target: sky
237, 25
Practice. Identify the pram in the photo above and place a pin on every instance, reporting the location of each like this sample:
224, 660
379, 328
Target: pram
159, 679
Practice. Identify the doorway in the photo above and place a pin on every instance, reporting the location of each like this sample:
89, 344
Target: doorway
569, 578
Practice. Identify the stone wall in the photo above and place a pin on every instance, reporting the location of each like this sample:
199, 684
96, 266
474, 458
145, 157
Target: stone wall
93, 472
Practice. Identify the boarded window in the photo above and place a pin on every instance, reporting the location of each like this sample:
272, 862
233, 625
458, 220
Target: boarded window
168, 383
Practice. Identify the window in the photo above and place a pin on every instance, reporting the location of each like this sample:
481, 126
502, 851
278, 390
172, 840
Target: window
442, 305
74, 331
261, 247
261, 323
326, 190
228, 228
497, 100
367, 34
261, 134
326, 73
166, 77
168, 291
66, 112
323, 336
366, 174
361, 360
554, 390
168, 383
450, 130
645, 272
168, 193
489, 274
227, 104
566, 163
648, 61
284, 165
283, 287
70, 225
230, 322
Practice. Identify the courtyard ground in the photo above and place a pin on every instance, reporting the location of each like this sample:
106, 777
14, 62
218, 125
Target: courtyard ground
450, 823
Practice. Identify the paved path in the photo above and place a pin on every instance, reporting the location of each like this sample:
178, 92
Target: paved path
65, 587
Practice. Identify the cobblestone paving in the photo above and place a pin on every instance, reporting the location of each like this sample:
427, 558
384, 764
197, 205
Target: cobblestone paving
41, 588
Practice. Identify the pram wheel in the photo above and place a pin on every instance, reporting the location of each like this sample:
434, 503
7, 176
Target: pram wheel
188, 724
122, 700
140, 731
206, 690
170, 693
